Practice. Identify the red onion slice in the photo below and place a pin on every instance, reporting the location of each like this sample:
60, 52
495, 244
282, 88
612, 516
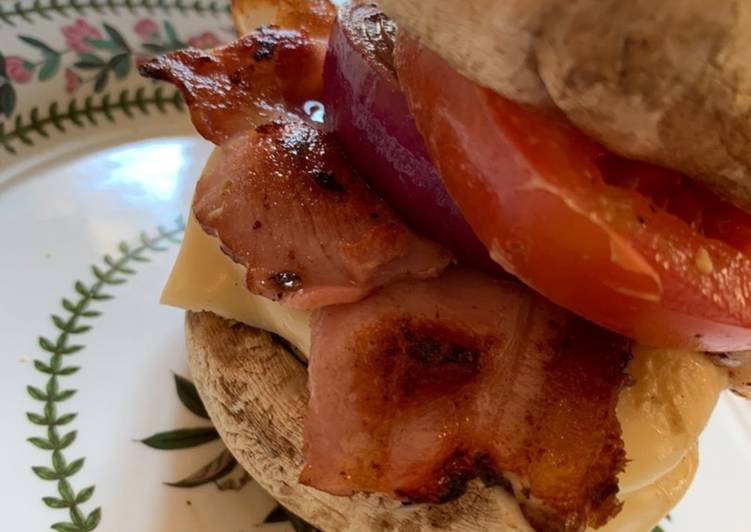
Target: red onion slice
367, 110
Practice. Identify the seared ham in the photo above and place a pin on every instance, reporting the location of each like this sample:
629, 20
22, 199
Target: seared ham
279, 193
425, 385
267, 74
285, 203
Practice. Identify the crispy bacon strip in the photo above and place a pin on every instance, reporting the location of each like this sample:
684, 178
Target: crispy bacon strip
427, 384
286, 204
266, 74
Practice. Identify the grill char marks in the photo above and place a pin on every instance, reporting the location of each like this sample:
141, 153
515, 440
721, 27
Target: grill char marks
425, 385
285, 203
269, 72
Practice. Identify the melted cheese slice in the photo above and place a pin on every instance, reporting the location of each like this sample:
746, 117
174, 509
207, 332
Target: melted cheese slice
644, 508
204, 278
662, 412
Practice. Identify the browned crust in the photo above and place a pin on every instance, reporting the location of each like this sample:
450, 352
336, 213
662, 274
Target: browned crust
255, 392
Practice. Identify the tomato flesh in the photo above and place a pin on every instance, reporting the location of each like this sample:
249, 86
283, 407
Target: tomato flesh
635, 248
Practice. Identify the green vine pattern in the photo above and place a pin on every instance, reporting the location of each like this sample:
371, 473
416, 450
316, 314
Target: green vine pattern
70, 323
79, 112
10, 13
94, 53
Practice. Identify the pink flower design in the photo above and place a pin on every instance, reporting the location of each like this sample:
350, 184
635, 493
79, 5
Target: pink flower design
146, 28
71, 80
204, 40
77, 33
18, 69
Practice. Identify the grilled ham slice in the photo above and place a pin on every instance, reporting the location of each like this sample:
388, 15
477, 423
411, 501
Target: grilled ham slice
286, 204
280, 194
425, 385
267, 74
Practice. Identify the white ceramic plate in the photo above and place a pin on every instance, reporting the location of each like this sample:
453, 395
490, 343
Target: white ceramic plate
96, 167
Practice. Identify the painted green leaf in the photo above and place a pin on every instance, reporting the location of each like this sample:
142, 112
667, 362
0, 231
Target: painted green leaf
59, 463
81, 289
71, 349
657, 529
120, 65
66, 491
181, 438
52, 388
49, 67
189, 397
220, 466
100, 82
36, 419
299, 524
36, 393
74, 467
103, 44
41, 443
50, 412
65, 527
59, 322
101, 297
77, 517
89, 62
36, 43
85, 494
90, 313
70, 370
99, 273
140, 258
53, 502
154, 48
281, 515
172, 38
149, 243
53, 435
232, 484
80, 329
7, 99
47, 345
277, 515
92, 521
64, 395
68, 305
66, 440
56, 361
45, 473
116, 36
44, 368
65, 419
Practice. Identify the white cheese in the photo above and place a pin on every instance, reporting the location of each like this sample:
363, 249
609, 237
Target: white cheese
665, 409
204, 278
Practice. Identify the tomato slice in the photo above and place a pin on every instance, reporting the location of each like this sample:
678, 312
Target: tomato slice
635, 248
